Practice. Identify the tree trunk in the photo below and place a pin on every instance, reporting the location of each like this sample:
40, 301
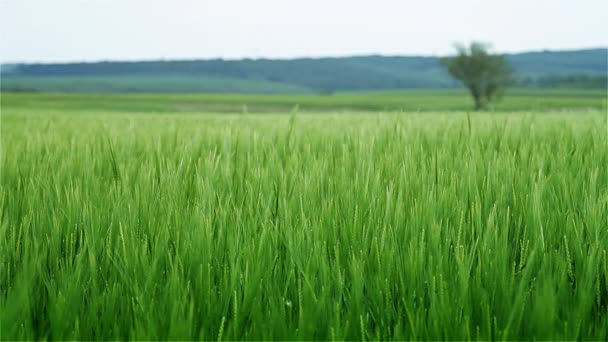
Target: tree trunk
478, 105
476, 98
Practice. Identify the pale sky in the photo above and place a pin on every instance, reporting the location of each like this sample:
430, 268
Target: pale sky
93, 30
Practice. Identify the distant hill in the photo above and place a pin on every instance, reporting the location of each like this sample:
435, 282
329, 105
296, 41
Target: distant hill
572, 69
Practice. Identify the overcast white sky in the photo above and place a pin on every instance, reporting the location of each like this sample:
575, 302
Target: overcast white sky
88, 30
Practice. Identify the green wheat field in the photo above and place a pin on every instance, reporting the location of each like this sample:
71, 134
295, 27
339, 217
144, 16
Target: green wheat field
122, 223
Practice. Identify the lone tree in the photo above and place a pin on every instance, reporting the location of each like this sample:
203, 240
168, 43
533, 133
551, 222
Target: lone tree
485, 75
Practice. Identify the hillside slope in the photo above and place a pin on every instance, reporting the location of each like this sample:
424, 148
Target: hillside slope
580, 68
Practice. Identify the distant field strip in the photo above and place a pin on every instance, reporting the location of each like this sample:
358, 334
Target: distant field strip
303, 226
410, 101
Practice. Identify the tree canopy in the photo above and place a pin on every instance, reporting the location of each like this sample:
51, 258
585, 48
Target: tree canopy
486, 75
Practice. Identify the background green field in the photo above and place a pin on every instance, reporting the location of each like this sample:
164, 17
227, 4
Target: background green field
119, 222
411, 101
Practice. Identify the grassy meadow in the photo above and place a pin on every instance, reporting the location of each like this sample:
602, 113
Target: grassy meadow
126, 217
536, 100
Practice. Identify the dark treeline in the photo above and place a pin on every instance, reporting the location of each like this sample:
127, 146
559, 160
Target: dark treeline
579, 69
567, 81
324, 74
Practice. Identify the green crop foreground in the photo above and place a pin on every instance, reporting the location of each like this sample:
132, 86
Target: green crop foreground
304, 226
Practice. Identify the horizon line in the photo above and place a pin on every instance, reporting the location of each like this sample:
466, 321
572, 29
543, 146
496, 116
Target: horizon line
269, 58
